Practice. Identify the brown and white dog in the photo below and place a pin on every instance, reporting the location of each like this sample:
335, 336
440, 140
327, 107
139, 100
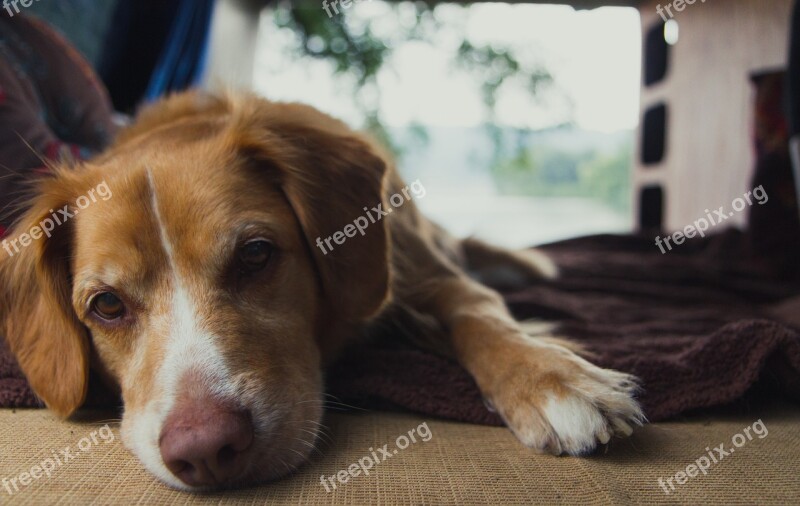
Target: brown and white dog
200, 292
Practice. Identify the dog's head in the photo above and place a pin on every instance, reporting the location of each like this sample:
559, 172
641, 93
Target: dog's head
182, 265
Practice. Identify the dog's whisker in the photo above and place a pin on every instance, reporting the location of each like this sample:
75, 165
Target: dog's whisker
314, 448
346, 406
318, 434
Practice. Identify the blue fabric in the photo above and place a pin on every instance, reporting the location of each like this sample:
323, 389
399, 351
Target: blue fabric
183, 59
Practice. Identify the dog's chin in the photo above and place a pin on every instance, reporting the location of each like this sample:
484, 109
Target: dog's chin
282, 443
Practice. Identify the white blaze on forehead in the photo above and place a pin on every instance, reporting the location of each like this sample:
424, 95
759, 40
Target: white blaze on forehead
187, 347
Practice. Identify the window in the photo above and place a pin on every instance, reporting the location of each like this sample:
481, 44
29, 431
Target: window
520, 129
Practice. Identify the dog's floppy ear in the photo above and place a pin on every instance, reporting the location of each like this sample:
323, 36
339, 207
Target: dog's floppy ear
38, 322
328, 191
329, 178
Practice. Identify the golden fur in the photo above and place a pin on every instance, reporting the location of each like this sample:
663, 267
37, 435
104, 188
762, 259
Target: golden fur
225, 168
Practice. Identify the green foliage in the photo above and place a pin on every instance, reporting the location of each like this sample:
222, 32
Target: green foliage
607, 177
354, 49
496, 66
357, 52
544, 171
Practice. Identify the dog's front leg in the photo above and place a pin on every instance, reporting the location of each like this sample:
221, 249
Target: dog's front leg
552, 399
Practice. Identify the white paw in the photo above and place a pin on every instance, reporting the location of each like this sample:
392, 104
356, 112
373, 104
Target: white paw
565, 404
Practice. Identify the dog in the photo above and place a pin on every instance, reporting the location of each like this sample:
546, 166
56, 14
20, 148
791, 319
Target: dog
224, 273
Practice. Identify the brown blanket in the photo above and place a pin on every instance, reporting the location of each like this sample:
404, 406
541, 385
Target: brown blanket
695, 325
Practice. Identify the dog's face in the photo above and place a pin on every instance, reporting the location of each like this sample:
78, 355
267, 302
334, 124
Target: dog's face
200, 303
195, 287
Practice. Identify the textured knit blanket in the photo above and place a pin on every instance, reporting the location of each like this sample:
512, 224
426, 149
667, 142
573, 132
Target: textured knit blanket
697, 325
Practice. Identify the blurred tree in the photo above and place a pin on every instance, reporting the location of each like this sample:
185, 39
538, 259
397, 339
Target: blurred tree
354, 48
547, 171
607, 177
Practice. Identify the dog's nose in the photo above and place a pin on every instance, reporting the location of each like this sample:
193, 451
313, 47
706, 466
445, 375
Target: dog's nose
205, 444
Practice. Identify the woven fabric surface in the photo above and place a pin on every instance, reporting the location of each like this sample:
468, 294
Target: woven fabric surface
459, 464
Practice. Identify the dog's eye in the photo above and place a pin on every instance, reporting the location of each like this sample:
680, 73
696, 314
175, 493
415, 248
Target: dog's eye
255, 255
108, 306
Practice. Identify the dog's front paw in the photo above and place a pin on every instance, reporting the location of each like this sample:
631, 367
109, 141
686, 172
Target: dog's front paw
557, 402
